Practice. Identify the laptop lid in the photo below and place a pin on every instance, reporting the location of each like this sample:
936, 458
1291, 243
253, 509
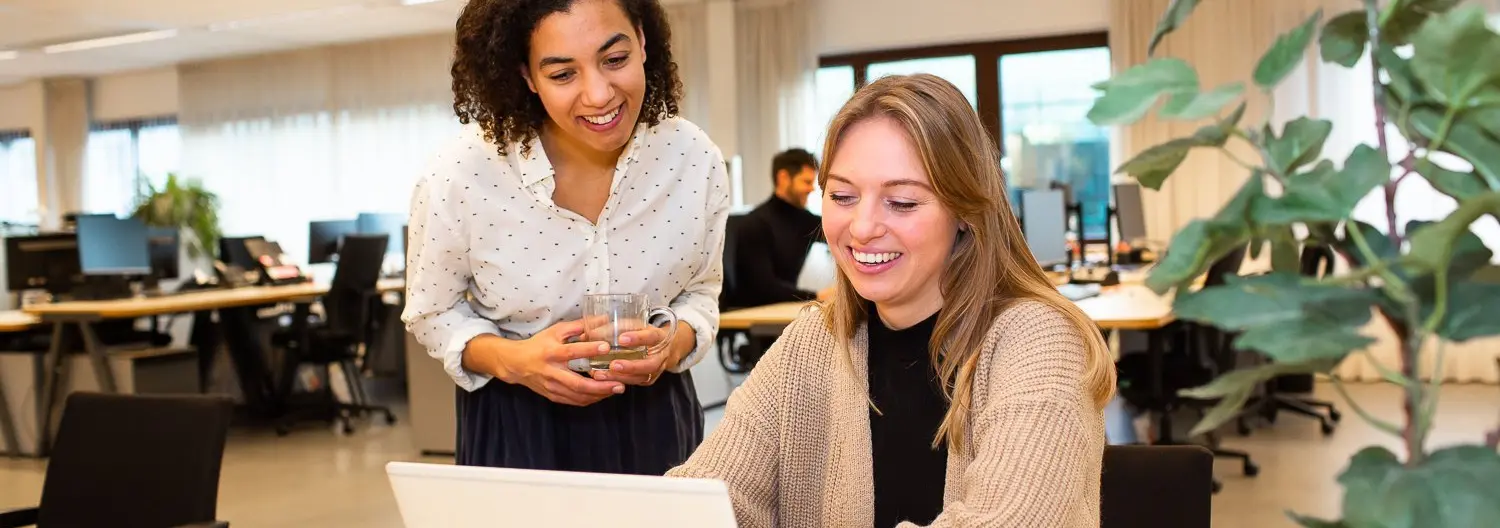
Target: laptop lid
447, 496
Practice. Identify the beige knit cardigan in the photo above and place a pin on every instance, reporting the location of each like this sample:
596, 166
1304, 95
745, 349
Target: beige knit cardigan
794, 444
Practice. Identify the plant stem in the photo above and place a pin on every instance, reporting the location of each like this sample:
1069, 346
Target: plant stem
1403, 332
1237, 160
1353, 404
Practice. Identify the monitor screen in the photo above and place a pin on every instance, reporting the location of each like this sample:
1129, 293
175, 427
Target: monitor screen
47, 261
108, 245
1045, 221
324, 238
393, 224
1129, 212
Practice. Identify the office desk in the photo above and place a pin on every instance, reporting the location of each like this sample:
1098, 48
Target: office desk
17, 321
235, 316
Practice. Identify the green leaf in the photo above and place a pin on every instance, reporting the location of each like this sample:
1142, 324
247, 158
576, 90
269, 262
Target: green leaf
1460, 185
1286, 53
1243, 303
1286, 253
1202, 241
1128, 96
1176, 14
1343, 39
1152, 166
1300, 143
1403, 79
1324, 194
1471, 311
1313, 522
1432, 247
1235, 387
1406, 17
1307, 339
1455, 486
1194, 106
1465, 139
1455, 54
1469, 251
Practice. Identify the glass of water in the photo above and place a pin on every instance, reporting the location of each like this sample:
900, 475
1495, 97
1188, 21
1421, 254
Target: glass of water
607, 316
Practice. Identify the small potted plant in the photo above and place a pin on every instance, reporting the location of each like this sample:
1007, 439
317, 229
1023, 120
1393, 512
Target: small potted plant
186, 205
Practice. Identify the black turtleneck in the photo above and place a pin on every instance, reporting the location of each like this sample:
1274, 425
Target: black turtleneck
771, 245
909, 408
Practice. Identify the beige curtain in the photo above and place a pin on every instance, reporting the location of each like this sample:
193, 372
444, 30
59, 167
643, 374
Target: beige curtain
1223, 41
777, 66
690, 51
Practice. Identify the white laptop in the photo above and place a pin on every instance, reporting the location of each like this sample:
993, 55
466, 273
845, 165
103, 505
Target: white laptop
438, 495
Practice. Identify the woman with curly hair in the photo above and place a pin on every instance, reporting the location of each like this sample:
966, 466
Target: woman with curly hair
574, 176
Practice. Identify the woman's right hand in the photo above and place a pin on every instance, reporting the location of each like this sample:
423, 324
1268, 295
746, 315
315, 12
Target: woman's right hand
541, 364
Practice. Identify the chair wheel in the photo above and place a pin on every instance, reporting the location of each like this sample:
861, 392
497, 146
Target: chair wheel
282, 430
348, 428
1269, 413
390, 419
1327, 427
1243, 428
1334, 415
1251, 469
1217, 486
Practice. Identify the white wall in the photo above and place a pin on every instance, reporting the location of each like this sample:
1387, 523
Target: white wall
864, 25
21, 106
135, 95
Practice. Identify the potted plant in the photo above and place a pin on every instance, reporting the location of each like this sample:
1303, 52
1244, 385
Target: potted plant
1437, 84
185, 205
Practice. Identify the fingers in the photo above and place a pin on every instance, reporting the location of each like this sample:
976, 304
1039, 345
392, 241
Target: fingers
566, 329
633, 372
570, 351
648, 337
569, 388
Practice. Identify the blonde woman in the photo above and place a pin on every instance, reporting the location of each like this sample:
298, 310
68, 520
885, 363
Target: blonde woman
947, 383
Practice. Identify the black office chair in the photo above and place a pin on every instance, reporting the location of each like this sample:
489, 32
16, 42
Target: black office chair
133, 461
347, 324
735, 359
1156, 487
1316, 260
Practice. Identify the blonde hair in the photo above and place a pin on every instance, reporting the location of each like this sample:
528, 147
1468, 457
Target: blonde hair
991, 267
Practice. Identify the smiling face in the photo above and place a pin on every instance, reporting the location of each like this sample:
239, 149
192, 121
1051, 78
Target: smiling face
891, 236
587, 66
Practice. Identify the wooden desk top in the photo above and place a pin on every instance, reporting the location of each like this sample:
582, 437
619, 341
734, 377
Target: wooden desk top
1125, 307
192, 301
16, 321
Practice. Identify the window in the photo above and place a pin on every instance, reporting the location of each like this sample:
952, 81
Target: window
835, 84
20, 203
1032, 94
123, 157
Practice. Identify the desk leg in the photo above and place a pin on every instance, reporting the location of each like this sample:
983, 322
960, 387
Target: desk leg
95, 349
1155, 346
8, 427
54, 373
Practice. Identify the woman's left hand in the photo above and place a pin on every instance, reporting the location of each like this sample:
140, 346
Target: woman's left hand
645, 371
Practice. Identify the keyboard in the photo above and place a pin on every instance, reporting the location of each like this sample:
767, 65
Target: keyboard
1078, 292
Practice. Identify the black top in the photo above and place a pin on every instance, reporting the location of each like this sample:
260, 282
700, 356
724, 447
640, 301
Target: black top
771, 244
909, 473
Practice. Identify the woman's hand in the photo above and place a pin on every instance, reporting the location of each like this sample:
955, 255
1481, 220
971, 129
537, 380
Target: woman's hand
541, 364
646, 371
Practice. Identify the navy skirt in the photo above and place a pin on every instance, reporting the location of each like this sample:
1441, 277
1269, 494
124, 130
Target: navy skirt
645, 431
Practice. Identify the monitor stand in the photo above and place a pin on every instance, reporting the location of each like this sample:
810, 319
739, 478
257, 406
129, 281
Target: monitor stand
102, 288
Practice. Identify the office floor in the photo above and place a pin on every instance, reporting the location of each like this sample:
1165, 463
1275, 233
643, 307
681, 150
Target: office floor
315, 478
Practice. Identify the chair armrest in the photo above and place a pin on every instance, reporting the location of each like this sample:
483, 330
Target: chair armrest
206, 524
18, 518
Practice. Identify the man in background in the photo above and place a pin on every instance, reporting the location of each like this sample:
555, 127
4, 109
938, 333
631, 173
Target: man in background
773, 240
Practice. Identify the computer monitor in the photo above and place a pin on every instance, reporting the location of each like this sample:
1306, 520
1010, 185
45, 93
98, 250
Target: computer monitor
47, 261
393, 224
1045, 222
164, 243
109, 245
1129, 212
444, 495
325, 237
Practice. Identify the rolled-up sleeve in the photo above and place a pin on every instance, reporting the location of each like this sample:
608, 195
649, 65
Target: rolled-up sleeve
437, 311
698, 304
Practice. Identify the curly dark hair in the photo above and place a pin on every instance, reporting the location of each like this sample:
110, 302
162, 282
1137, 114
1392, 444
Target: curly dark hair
493, 43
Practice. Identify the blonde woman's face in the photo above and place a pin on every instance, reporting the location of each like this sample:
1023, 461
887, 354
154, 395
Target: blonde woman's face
889, 233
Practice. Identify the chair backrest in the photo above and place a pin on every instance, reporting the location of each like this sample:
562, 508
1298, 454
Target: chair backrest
136, 461
1316, 260
1156, 487
345, 305
729, 294
1219, 271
